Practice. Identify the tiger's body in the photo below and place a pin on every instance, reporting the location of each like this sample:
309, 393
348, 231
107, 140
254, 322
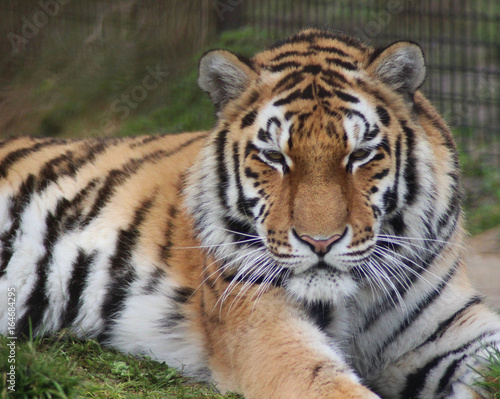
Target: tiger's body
310, 246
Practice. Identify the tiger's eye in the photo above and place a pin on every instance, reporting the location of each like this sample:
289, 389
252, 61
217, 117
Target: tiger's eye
275, 156
359, 154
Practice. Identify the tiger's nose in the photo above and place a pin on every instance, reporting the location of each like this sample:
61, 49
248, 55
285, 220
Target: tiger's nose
319, 246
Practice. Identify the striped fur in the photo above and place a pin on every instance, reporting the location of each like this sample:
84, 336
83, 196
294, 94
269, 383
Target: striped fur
310, 246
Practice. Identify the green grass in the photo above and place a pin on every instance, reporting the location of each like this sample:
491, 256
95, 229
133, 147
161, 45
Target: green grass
65, 367
489, 377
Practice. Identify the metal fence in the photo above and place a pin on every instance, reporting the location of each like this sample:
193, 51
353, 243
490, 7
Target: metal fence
460, 38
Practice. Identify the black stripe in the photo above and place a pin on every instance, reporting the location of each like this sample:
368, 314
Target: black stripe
444, 325
307, 93
344, 64
410, 173
4, 142
333, 77
249, 148
346, 97
248, 119
251, 174
291, 130
154, 280
19, 202
381, 175
172, 320
121, 271
331, 131
183, 294
287, 54
68, 165
294, 95
165, 249
243, 205
263, 135
391, 194
417, 311
329, 49
21, 153
415, 382
118, 177
321, 313
398, 224
418, 264
236, 227
252, 98
288, 81
452, 212
222, 173
444, 382
349, 113
371, 134
313, 69
321, 92
148, 139
378, 157
49, 173
383, 115
38, 300
273, 120
385, 145
283, 66
77, 283
303, 116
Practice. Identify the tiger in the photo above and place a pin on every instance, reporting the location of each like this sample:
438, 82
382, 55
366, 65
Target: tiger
311, 245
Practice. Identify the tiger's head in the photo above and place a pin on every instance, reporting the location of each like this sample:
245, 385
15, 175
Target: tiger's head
318, 150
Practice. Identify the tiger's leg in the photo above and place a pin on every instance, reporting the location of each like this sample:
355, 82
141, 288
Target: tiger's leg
267, 348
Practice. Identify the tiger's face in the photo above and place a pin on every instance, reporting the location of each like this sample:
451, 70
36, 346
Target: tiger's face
301, 170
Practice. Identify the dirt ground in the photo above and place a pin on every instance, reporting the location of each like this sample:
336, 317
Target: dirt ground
484, 265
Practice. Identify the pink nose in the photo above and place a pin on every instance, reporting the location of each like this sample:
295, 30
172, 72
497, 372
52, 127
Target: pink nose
321, 247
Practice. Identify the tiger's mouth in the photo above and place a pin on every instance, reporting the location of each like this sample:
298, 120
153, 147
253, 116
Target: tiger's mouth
321, 283
320, 267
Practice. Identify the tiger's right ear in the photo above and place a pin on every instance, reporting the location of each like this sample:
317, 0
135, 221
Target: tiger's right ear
401, 66
224, 76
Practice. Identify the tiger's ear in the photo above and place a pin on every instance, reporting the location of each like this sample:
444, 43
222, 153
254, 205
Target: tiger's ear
224, 76
400, 66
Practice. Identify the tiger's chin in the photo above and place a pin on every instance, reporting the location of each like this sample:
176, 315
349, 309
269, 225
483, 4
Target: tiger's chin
320, 285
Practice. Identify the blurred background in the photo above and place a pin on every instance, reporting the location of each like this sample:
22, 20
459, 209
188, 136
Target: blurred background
80, 68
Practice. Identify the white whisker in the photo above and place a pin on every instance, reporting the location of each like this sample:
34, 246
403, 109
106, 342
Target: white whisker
257, 239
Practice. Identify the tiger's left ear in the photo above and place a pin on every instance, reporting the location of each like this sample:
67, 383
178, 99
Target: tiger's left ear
224, 76
401, 66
